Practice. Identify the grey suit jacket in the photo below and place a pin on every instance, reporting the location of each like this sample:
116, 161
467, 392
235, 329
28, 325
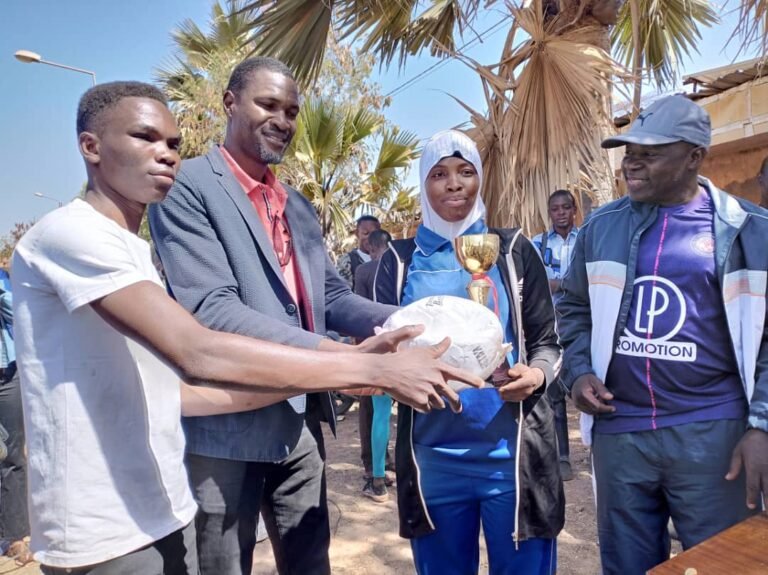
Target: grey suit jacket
221, 266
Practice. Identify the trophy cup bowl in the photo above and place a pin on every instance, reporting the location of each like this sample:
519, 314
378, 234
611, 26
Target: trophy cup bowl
477, 253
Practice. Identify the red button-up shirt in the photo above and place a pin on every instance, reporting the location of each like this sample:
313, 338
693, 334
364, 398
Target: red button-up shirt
269, 199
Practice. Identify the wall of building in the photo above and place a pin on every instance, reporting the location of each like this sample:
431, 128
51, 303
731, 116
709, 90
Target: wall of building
739, 138
735, 170
738, 113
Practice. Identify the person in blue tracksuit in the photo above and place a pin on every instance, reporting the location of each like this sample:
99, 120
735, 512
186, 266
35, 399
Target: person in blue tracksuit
495, 463
663, 317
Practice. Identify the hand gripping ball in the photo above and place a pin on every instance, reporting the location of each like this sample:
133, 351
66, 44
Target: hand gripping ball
477, 338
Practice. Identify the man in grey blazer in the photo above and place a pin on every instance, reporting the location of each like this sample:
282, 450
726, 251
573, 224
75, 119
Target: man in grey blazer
245, 254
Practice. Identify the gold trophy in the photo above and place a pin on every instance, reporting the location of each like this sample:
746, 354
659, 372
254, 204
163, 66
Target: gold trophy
477, 253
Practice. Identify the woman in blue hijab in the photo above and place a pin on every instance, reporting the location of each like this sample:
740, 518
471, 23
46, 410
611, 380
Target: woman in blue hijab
495, 463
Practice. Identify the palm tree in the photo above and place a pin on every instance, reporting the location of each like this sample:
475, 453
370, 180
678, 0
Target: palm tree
752, 27
541, 95
546, 134
666, 33
196, 78
327, 162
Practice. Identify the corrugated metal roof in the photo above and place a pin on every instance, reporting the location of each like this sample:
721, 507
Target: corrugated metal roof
717, 80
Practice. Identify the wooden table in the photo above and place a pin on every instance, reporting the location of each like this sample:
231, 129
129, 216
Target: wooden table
740, 550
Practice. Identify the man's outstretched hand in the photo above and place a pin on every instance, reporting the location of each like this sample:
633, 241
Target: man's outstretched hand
387, 342
418, 378
751, 453
590, 395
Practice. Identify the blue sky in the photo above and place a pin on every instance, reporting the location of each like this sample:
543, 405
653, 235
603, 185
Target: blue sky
127, 41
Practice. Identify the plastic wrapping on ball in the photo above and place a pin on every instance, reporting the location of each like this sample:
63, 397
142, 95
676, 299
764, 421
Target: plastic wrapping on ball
477, 337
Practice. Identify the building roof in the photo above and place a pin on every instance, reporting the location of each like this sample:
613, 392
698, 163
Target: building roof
717, 80
703, 84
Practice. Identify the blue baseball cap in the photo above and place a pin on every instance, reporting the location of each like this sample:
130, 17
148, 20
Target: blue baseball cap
666, 121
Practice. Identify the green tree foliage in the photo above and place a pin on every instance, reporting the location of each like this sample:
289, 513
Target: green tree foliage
296, 31
668, 32
195, 80
328, 161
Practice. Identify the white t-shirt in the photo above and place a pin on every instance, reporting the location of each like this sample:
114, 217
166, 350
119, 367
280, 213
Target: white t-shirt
102, 412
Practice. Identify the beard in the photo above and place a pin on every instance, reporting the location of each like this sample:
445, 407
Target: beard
267, 154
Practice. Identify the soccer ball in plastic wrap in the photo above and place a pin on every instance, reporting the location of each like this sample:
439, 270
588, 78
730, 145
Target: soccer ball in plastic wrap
477, 338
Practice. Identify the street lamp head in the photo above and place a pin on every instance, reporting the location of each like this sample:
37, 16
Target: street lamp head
39, 195
27, 56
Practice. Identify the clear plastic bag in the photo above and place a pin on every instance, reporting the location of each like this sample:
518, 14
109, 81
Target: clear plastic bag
477, 338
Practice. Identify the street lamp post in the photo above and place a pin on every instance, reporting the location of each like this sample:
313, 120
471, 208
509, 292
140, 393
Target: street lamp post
39, 195
29, 57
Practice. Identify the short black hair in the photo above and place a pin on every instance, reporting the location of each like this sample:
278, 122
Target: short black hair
379, 239
564, 193
105, 96
239, 77
367, 218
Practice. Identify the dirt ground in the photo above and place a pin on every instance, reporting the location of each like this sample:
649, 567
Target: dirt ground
364, 533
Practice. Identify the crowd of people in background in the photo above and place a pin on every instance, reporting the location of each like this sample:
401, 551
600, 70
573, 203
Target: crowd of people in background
163, 417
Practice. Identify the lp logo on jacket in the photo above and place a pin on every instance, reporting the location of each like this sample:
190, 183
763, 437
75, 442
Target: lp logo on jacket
659, 314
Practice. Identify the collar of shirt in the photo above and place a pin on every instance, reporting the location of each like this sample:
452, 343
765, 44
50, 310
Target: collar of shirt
276, 194
363, 256
574, 231
428, 242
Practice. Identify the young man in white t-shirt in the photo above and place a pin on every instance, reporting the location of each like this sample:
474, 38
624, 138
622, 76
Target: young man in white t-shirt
97, 335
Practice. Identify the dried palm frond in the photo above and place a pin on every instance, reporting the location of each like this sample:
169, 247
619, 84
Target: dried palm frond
752, 25
547, 136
